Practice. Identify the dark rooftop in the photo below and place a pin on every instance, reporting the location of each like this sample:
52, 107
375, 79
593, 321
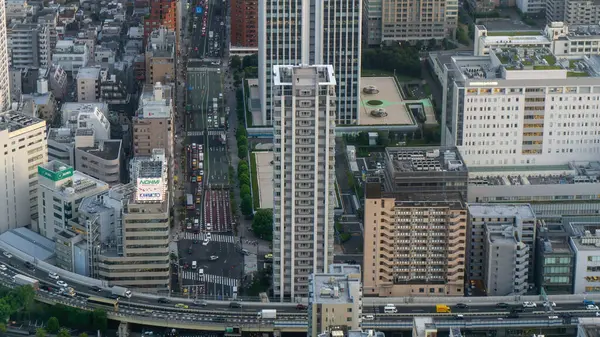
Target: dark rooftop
105, 149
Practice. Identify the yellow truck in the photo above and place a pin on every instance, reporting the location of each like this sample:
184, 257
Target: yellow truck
442, 308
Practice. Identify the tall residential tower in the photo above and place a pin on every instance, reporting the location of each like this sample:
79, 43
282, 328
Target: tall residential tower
303, 177
295, 32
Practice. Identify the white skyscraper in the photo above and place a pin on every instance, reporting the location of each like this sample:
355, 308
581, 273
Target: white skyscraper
304, 162
295, 32
4, 74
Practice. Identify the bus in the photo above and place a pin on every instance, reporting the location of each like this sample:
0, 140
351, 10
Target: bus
104, 301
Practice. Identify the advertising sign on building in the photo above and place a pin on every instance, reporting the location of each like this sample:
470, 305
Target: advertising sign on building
55, 176
150, 189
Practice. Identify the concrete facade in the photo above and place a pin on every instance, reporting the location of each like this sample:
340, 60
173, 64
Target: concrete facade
160, 56
88, 85
153, 123
29, 46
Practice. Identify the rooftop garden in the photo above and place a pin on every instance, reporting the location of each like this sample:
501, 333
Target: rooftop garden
577, 74
550, 67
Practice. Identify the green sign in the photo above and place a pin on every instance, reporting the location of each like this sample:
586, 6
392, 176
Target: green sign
55, 176
149, 182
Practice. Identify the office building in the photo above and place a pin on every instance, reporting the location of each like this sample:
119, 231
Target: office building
101, 159
425, 170
114, 88
584, 241
22, 148
531, 6
327, 32
304, 132
393, 21
555, 258
87, 116
506, 260
517, 219
522, 107
61, 189
88, 85
573, 12
244, 23
70, 56
431, 261
546, 188
335, 299
18, 10
29, 46
138, 257
160, 56
4, 62
153, 122
163, 13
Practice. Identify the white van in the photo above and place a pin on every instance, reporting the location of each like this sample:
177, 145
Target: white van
390, 309
201, 273
194, 264
368, 317
208, 227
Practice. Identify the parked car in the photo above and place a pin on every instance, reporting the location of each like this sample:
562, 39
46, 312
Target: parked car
529, 305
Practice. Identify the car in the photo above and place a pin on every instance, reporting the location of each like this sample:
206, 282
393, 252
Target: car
205, 242
269, 256
597, 313
552, 317
181, 306
7, 254
95, 288
460, 316
53, 276
529, 304
214, 257
502, 305
46, 287
61, 284
301, 306
163, 300
235, 305
207, 236
3, 267
549, 304
200, 303
591, 307
194, 26
461, 306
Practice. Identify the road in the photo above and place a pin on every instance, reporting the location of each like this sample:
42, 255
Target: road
205, 125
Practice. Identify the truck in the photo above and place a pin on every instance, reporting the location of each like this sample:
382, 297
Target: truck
23, 280
442, 308
121, 291
267, 314
215, 107
190, 202
210, 34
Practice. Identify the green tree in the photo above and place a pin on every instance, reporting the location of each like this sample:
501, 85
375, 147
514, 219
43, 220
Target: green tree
236, 62
242, 166
3, 328
242, 151
39, 332
262, 223
83, 334
52, 326
383, 138
245, 190
250, 61
244, 180
246, 205
63, 332
5, 310
242, 140
99, 320
25, 296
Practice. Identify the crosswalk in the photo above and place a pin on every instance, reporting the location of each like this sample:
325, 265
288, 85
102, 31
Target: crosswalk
213, 237
216, 132
209, 278
195, 133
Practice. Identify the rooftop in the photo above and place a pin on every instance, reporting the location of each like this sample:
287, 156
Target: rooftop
382, 103
14, 121
575, 173
61, 135
155, 101
88, 73
105, 149
343, 331
332, 289
305, 75
56, 166
423, 159
150, 169
500, 210
29, 242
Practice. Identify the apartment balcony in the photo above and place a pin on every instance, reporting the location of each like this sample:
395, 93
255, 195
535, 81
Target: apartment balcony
521, 273
456, 254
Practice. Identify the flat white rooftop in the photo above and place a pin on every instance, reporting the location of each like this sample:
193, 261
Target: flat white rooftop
264, 174
500, 210
88, 73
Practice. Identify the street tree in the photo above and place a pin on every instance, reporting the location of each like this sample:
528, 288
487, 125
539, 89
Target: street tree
262, 223
52, 326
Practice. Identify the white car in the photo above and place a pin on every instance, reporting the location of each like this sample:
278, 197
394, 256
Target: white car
7, 254
53, 276
62, 284
3, 267
529, 305
591, 307
214, 257
552, 317
205, 243
207, 236
549, 304
597, 313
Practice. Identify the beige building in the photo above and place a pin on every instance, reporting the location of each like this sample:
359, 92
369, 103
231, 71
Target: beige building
160, 56
152, 127
407, 20
100, 159
414, 243
141, 260
88, 85
335, 299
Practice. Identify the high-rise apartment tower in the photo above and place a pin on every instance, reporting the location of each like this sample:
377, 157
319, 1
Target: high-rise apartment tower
311, 32
304, 160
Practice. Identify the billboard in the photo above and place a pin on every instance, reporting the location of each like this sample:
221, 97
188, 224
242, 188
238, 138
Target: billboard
64, 172
150, 189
